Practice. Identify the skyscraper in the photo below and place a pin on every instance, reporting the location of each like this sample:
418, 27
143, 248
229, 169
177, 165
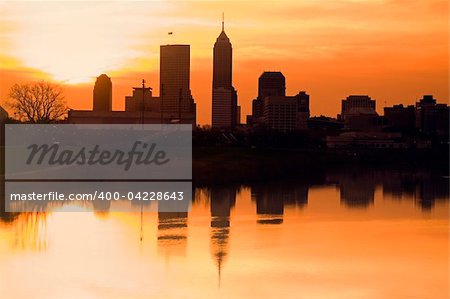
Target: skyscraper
175, 92
276, 111
271, 84
224, 97
103, 94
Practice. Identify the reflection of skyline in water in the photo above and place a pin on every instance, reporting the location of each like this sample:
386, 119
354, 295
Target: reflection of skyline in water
31, 231
222, 200
271, 199
356, 190
263, 231
172, 233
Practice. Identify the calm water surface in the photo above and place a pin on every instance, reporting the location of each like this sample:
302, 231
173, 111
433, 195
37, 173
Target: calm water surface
353, 235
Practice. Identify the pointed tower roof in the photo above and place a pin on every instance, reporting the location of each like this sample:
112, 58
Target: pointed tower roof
223, 36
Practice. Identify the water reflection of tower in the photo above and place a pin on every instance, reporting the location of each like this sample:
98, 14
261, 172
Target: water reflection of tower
172, 233
222, 200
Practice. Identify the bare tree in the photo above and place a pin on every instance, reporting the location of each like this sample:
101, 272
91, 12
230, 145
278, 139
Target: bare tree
39, 102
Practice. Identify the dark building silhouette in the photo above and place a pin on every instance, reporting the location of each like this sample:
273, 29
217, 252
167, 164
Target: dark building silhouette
274, 110
142, 106
286, 113
222, 61
225, 111
369, 139
132, 114
177, 103
322, 126
400, 117
427, 117
103, 94
366, 129
432, 118
357, 104
358, 112
139, 101
271, 84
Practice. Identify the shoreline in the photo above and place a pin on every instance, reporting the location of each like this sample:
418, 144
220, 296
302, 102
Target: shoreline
218, 165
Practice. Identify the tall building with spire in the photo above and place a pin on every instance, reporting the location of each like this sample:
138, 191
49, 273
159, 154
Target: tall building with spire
225, 111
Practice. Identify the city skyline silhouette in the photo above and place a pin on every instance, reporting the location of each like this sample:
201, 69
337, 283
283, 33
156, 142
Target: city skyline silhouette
398, 65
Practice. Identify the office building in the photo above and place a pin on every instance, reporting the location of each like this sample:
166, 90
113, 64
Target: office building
357, 105
358, 114
400, 117
286, 113
274, 110
432, 118
175, 93
142, 106
103, 94
224, 108
138, 100
271, 84
224, 97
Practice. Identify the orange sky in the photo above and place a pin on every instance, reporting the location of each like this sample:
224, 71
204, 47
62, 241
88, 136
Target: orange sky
392, 50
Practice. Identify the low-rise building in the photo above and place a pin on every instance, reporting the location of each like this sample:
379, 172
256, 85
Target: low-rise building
355, 104
432, 118
137, 100
372, 140
400, 117
140, 107
125, 117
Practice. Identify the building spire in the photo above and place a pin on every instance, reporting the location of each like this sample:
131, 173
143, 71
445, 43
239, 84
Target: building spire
223, 21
